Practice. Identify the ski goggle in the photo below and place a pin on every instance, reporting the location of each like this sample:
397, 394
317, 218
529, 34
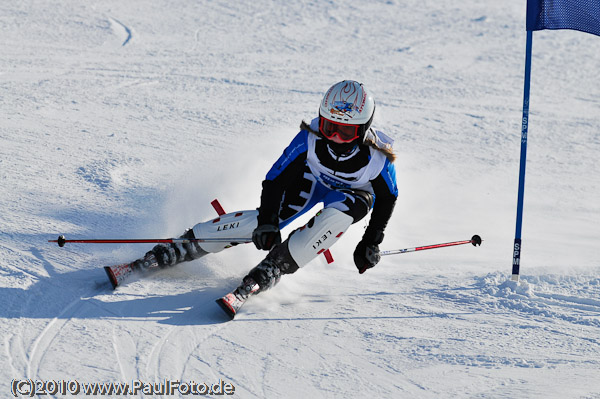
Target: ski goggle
343, 131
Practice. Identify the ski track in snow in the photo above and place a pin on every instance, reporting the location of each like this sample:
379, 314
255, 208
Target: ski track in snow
153, 362
123, 30
126, 355
45, 339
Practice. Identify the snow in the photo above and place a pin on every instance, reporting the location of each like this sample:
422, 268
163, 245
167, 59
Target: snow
125, 119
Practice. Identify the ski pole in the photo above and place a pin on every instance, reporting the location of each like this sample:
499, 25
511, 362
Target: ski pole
62, 240
475, 240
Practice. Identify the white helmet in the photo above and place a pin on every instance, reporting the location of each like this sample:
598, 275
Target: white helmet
346, 111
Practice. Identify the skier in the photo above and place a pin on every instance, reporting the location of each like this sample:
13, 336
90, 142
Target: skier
337, 160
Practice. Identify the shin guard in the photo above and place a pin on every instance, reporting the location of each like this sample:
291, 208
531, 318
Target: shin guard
318, 235
232, 225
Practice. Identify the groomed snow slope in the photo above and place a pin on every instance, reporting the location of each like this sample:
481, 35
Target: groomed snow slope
125, 119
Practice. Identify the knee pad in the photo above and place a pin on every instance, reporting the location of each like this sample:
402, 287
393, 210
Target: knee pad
355, 203
232, 225
318, 235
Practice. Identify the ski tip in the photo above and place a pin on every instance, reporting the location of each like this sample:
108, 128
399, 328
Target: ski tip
226, 307
476, 240
111, 277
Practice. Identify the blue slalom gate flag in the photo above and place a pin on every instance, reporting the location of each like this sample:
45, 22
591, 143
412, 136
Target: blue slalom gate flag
581, 15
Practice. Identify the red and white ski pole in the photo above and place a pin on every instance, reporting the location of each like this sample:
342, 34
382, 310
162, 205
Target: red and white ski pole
475, 240
215, 203
62, 240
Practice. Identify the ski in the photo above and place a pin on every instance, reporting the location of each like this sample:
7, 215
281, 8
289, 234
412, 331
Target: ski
231, 303
119, 273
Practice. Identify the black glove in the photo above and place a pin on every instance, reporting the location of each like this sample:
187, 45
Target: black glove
266, 236
366, 254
